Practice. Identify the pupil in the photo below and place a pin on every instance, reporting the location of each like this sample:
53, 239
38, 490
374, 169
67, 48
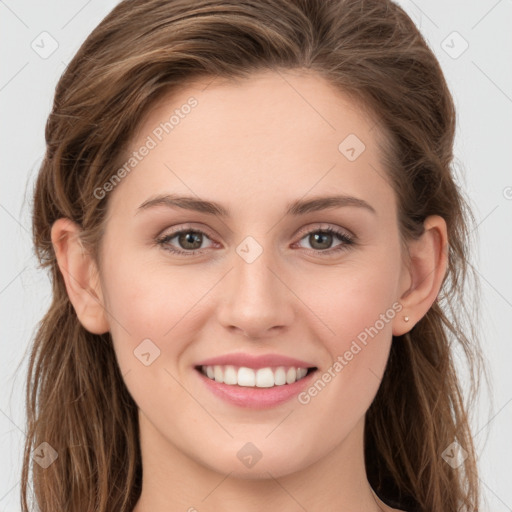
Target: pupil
322, 236
190, 237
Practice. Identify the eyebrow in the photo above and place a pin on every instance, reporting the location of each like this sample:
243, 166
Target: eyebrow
295, 208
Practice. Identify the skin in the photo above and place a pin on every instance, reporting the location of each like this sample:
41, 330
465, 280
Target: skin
238, 147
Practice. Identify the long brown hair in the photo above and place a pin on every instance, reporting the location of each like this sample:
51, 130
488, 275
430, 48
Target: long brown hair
77, 401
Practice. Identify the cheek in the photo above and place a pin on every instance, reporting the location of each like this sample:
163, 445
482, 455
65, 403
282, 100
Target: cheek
148, 302
168, 304
354, 297
159, 304
358, 309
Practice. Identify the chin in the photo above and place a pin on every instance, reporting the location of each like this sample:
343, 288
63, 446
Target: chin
277, 465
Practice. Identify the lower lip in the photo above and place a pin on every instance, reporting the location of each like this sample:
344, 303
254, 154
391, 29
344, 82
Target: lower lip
253, 397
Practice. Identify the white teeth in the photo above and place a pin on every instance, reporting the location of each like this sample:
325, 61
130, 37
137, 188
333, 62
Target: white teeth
291, 375
218, 374
248, 377
230, 376
301, 372
280, 376
264, 378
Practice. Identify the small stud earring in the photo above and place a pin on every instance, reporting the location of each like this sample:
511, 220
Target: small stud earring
406, 318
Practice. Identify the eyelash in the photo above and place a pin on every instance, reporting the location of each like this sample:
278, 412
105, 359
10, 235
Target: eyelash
340, 235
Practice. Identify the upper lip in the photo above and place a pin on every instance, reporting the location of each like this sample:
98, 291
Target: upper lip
255, 362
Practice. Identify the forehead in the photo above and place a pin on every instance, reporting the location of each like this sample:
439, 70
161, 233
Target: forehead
271, 136
260, 104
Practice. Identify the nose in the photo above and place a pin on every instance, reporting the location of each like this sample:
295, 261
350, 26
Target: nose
256, 299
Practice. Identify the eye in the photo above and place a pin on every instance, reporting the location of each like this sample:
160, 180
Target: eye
189, 240
322, 239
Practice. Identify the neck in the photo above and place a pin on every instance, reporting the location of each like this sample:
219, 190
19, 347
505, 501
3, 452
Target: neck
174, 481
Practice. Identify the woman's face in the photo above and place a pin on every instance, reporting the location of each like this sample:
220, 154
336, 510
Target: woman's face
265, 278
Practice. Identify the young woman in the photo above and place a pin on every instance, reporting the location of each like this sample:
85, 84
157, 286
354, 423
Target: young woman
258, 254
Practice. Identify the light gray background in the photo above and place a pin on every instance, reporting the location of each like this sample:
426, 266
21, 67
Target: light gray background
481, 82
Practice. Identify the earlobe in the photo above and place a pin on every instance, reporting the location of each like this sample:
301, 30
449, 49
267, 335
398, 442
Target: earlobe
80, 275
426, 269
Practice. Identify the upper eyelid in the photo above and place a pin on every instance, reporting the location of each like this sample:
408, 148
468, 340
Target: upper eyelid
186, 228
318, 227
325, 226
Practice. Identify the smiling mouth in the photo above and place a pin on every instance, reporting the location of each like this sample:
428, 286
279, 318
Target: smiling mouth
242, 376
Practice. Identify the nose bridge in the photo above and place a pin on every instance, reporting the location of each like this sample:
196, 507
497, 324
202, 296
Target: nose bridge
256, 300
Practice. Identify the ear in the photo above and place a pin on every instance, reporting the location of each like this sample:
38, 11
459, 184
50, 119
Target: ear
423, 275
80, 275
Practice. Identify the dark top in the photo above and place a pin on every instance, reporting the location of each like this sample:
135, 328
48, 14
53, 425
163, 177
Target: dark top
407, 505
